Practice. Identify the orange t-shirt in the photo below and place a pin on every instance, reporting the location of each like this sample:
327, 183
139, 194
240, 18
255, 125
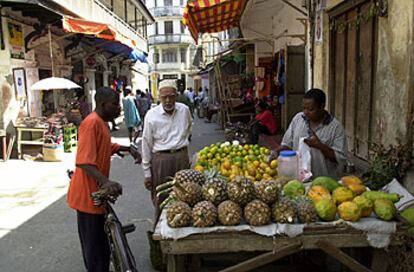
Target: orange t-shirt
94, 148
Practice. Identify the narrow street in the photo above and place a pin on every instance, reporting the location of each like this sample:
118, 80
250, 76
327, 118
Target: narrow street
48, 241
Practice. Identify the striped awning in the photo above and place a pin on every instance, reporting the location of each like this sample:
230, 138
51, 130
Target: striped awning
210, 16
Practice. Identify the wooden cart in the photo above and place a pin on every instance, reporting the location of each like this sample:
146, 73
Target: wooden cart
329, 239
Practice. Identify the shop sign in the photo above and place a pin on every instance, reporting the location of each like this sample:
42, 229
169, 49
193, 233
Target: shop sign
16, 41
19, 80
319, 27
320, 5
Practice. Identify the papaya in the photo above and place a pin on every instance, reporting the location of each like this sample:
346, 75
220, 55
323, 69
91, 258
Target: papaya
347, 180
326, 209
318, 192
349, 211
342, 194
326, 182
374, 195
357, 189
384, 209
365, 205
408, 214
294, 188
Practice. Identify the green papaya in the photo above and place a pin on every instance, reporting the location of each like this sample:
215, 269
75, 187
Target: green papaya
374, 195
294, 188
326, 209
326, 182
384, 209
408, 214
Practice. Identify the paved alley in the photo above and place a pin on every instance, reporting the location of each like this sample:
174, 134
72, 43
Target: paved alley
37, 230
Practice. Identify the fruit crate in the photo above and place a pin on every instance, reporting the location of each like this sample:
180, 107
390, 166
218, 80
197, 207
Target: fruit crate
70, 147
70, 131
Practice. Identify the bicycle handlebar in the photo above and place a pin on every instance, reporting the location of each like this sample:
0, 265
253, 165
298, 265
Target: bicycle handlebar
100, 197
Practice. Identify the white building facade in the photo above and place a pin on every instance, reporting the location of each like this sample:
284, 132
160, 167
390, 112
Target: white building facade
171, 47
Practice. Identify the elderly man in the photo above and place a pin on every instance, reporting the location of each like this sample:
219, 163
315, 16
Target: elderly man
165, 139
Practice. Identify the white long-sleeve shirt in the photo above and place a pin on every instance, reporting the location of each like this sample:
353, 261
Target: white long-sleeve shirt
163, 131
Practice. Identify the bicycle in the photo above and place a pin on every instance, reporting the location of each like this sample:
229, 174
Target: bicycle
122, 258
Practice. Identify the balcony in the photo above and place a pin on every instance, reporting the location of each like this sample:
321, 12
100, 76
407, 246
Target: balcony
170, 39
167, 11
94, 10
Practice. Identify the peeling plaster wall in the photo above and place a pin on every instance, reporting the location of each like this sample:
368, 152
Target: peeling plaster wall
391, 104
393, 88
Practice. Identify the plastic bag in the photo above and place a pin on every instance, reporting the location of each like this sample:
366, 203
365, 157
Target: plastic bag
304, 161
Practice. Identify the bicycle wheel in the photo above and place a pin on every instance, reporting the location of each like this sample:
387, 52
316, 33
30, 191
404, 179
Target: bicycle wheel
123, 260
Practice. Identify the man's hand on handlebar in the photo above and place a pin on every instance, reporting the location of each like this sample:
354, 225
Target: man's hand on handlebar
112, 187
148, 183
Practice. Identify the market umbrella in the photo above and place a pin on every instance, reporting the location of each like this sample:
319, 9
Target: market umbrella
52, 83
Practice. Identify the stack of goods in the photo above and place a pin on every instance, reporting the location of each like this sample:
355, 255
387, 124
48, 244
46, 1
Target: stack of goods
32, 122
233, 160
70, 135
209, 198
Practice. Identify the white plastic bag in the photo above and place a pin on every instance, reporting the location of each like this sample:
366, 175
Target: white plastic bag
304, 161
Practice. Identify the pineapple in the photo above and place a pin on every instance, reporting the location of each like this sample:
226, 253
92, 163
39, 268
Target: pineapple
241, 190
188, 192
306, 210
190, 175
229, 213
178, 214
215, 189
257, 213
267, 191
284, 211
204, 214
185, 186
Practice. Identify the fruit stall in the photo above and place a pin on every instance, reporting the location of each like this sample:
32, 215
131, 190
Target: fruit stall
234, 200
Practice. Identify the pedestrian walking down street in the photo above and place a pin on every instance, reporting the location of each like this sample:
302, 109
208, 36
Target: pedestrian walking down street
182, 98
144, 104
93, 160
165, 140
132, 117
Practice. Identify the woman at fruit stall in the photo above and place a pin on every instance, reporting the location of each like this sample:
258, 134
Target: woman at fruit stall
263, 123
323, 133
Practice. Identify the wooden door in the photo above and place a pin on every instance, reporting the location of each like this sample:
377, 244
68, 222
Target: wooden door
351, 72
295, 83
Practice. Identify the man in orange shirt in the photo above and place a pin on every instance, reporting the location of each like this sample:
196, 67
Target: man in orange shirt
93, 160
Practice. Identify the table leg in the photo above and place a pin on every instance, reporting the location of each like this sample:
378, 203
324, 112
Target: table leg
4, 148
19, 145
175, 263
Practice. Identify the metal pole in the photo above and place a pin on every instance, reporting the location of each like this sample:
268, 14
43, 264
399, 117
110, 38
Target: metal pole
51, 50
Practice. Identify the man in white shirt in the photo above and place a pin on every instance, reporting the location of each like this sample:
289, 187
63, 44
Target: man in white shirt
165, 140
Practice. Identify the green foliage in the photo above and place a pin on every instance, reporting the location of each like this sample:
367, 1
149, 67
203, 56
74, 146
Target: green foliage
387, 163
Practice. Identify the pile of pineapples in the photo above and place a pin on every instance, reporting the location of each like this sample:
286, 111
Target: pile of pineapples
207, 199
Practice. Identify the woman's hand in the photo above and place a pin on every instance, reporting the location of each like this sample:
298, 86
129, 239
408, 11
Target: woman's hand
313, 141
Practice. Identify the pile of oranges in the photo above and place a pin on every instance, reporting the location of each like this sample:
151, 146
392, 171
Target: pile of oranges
233, 160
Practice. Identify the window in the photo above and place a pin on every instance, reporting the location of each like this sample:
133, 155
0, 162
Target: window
156, 57
156, 28
183, 53
169, 55
168, 3
182, 27
168, 76
181, 2
131, 14
168, 27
